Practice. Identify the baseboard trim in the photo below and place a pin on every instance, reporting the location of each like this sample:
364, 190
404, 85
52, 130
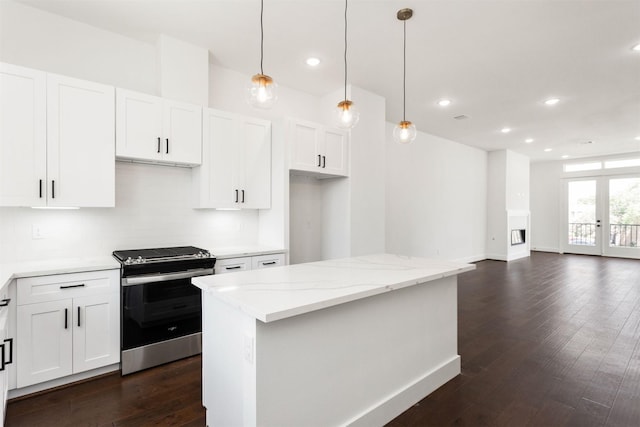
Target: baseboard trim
398, 402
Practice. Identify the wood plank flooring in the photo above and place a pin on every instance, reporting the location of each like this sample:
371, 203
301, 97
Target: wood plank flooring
551, 340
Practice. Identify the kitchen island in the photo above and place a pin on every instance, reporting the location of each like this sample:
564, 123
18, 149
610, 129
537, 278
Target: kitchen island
352, 341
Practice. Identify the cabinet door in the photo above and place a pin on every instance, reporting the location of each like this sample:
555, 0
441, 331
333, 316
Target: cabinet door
305, 140
96, 331
44, 334
336, 152
255, 159
22, 136
6, 347
138, 126
216, 180
182, 133
80, 143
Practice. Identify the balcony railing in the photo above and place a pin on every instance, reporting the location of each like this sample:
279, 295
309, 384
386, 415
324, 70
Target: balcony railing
624, 235
582, 233
620, 235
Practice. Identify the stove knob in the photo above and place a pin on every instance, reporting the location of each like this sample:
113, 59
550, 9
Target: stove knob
140, 260
128, 261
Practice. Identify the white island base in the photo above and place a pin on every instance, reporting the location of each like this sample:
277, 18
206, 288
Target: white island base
358, 363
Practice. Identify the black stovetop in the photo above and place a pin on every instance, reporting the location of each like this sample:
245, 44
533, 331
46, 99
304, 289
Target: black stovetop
166, 254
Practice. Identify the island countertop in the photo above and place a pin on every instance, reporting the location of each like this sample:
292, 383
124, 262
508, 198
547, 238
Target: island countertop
277, 293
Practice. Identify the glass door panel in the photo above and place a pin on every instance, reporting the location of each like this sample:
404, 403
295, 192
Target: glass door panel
583, 226
623, 219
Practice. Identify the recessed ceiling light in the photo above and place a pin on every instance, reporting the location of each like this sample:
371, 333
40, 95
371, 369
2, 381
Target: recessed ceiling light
528, 140
636, 48
548, 149
313, 62
637, 138
565, 156
444, 102
552, 101
505, 130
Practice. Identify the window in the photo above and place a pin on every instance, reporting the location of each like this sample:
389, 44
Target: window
626, 163
578, 167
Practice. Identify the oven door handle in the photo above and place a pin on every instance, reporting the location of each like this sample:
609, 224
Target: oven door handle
165, 277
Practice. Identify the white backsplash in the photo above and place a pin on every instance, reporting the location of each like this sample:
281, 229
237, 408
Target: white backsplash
153, 209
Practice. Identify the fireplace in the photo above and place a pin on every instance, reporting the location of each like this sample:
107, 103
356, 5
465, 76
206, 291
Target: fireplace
518, 237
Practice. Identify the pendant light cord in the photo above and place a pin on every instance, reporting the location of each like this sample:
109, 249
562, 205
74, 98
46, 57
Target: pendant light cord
345, 48
261, 35
404, 72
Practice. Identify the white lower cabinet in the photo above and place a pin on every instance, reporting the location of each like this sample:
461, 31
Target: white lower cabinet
231, 265
6, 349
67, 324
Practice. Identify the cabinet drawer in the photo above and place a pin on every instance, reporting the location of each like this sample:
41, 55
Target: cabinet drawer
61, 286
266, 261
232, 265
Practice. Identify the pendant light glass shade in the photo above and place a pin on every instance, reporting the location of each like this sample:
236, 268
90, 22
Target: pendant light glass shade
346, 114
405, 131
261, 91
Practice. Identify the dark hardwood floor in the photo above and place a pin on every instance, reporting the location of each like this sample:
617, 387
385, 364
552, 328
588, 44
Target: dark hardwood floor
551, 340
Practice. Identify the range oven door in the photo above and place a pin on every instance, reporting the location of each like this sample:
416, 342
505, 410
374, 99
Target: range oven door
155, 311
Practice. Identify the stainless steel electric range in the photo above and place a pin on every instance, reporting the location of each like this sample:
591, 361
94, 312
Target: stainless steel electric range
161, 311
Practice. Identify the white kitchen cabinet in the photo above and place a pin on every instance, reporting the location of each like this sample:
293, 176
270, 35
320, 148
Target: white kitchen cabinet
232, 265
236, 163
66, 324
267, 261
23, 135
6, 349
317, 149
153, 129
57, 140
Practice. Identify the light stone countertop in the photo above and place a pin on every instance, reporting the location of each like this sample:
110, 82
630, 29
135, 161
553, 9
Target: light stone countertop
243, 251
280, 292
17, 270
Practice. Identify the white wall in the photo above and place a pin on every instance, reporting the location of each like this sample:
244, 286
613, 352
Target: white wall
496, 205
545, 206
367, 181
48, 42
517, 181
436, 201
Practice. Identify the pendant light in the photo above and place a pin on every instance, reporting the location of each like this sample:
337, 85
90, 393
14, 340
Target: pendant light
262, 90
347, 115
405, 131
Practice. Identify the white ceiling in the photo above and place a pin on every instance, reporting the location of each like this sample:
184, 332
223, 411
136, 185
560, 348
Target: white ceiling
497, 60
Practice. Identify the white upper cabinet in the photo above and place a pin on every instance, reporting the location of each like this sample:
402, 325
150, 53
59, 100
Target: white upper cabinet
236, 163
57, 140
80, 143
23, 133
153, 129
318, 150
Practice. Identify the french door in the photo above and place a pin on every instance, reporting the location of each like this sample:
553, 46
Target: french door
602, 216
